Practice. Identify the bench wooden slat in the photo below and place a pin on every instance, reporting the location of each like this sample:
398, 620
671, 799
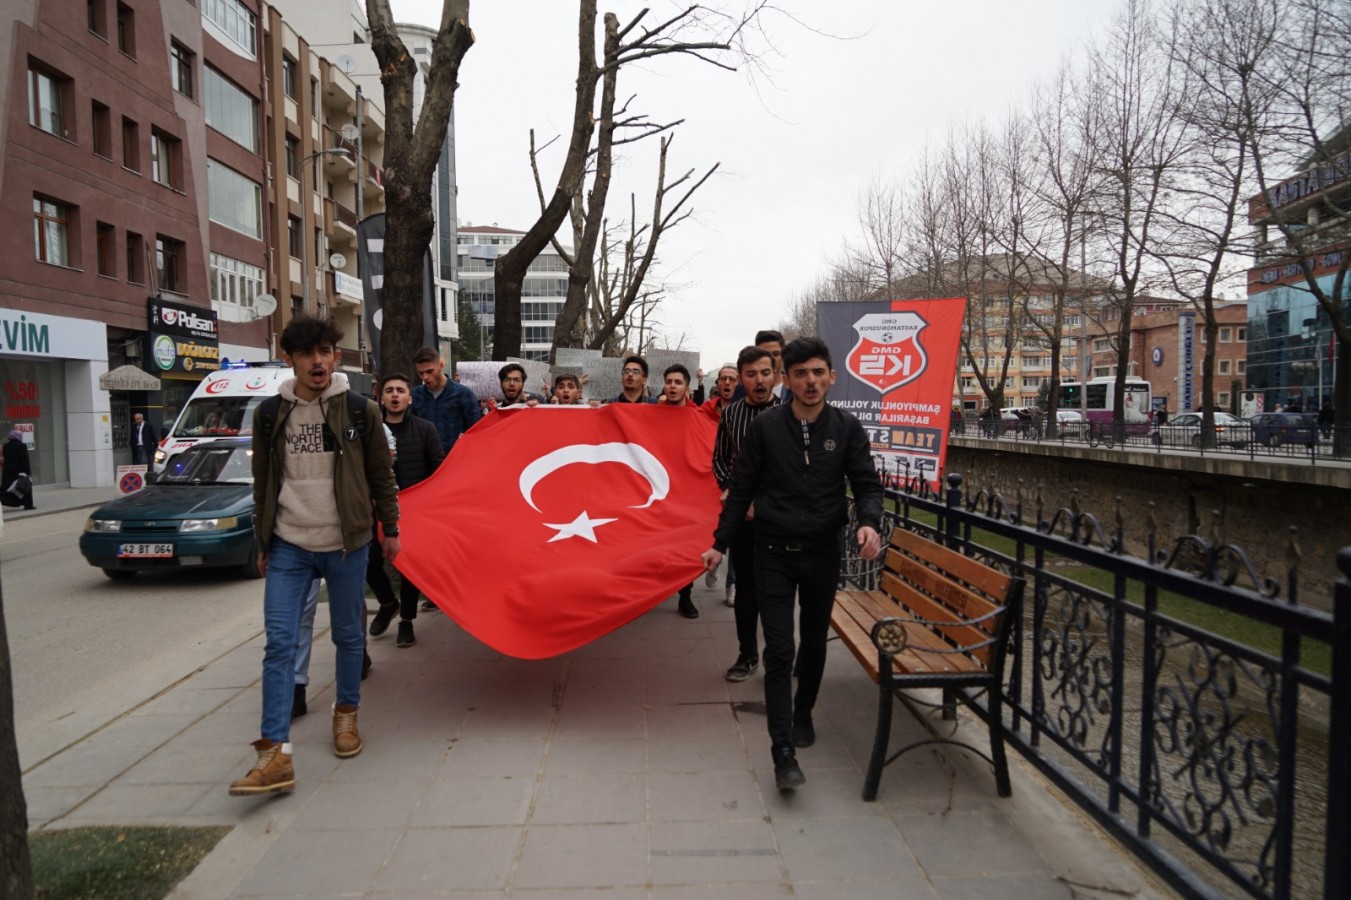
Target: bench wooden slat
975, 573
856, 613
961, 603
925, 608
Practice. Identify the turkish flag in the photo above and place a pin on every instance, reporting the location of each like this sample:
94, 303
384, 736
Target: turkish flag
547, 528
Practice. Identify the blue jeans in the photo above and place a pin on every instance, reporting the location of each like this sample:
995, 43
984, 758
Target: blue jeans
306, 639
290, 572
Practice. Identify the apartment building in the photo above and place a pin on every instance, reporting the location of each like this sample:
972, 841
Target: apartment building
543, 289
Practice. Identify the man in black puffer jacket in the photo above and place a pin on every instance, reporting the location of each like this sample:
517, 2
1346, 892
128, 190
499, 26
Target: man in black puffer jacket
417, 455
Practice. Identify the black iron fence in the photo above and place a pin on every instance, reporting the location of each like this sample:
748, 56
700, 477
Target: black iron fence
1198, 711
1294, 440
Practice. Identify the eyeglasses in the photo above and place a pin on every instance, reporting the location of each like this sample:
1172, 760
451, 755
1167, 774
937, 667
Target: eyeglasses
513, 380
633, 371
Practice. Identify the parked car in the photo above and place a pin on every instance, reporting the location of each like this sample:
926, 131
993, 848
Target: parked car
1277, 428
198, 513
1070, 423
1184, 430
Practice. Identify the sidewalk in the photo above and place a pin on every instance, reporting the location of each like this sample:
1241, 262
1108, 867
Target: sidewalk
59, 499
629, 766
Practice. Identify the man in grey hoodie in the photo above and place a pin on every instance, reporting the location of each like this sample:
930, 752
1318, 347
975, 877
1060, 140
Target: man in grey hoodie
321, 473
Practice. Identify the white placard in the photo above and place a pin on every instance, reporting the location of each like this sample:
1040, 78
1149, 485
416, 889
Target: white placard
536, 374
481, 378
603, 378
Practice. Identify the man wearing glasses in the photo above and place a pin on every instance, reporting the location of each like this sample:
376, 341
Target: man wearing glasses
512, 378
634, 381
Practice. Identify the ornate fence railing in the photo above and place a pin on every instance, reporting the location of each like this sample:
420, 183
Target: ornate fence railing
1194, 708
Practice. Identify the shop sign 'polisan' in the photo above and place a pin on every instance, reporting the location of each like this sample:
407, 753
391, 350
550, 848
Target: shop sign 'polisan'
182, 340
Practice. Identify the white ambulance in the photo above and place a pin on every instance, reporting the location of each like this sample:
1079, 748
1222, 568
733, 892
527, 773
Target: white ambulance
222, 406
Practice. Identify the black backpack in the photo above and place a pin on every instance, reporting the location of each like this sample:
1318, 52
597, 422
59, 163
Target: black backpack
356, 407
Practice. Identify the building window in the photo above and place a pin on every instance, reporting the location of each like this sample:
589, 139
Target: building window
48, 99
1222, 400
135, 258
314, 97
235, 21
234, 284
126, 30
107, 237
230, 110
170, 262
1102, 345
182, 63
1242, 367
103, 130
1243, 334
1226, 335
131, 145
292, 157
288, 77
51, 231
293, 236
166, 165
234, 200
97, 11
1225, 366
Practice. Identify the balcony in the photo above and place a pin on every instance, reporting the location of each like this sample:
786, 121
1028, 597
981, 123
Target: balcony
339, 92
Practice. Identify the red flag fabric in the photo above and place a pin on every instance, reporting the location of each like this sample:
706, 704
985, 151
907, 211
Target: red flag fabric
547, 528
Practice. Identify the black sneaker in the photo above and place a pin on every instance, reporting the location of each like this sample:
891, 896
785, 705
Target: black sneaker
743, 668
429, 606
688, 609
365, 664
405, 638
787, 773
380, 621
298, 707
804, 734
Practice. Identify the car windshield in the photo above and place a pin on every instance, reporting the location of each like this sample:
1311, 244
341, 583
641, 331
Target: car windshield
217, 417
225, 463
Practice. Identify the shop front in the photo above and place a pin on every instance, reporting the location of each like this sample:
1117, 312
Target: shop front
182, 347
49, 372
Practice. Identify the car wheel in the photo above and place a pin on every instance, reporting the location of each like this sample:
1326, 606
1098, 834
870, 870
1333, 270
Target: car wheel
1196, 442
250, 569
120, 574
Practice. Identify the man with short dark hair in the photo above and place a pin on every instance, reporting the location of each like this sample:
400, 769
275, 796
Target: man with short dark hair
771, 340
567, 390
755, 366
793, 466
675, 395
417, 455
448, 405
321, 473
634, 381
512, 379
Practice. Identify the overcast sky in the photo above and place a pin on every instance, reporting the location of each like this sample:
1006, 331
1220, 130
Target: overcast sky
796, 148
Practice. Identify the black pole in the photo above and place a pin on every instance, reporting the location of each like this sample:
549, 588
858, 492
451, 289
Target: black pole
1336, 866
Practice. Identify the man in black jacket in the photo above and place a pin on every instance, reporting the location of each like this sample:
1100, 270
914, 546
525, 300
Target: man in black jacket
793, 465
417, 454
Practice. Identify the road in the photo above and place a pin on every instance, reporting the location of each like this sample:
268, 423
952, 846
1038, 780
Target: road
85, 650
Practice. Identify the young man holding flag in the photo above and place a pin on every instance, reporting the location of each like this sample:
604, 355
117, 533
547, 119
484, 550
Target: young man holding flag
793, 466
675, 394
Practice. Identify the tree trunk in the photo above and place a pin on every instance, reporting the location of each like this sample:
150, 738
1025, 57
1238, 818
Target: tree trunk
509, 271
411, 155
16, 871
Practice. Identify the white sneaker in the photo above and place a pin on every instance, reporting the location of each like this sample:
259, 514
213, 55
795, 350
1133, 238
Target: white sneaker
711, 576
731, 595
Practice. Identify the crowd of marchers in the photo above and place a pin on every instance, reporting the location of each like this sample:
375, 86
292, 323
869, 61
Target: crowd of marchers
328, 464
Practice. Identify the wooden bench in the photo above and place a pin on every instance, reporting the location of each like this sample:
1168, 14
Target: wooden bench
938, 620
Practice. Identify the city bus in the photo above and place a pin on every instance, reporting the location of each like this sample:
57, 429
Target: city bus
1095, 397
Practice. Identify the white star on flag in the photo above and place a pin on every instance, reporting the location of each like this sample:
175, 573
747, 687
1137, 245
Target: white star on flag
583, 527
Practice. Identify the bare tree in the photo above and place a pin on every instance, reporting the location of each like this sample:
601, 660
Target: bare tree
411, 155
1141, 139
878, 257
697, 31
1307, 129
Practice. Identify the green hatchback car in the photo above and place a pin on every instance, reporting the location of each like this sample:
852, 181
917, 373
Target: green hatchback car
198, 513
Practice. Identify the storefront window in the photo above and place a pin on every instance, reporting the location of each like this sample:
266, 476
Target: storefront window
35, 405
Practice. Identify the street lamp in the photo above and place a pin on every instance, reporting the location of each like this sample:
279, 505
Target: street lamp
305, 203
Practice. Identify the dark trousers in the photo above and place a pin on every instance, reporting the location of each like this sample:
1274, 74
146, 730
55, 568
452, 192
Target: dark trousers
747, 610
378, 581
811, 573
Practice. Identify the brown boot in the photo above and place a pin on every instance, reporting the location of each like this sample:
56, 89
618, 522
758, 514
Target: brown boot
346, 741
273, 772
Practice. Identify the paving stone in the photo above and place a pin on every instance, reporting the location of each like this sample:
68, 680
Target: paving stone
611, 756
123, 804
313, 862
481, 759
88, 763
583, 856
177, 763
828, 793
989, 845
184, 699
839, 849
348, 806
916, 888
602, 720
721, 891
145, 732
704, 797
712, 853
698, 753
591, 799
389, 759
475, 801
1018, 887
48, 803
